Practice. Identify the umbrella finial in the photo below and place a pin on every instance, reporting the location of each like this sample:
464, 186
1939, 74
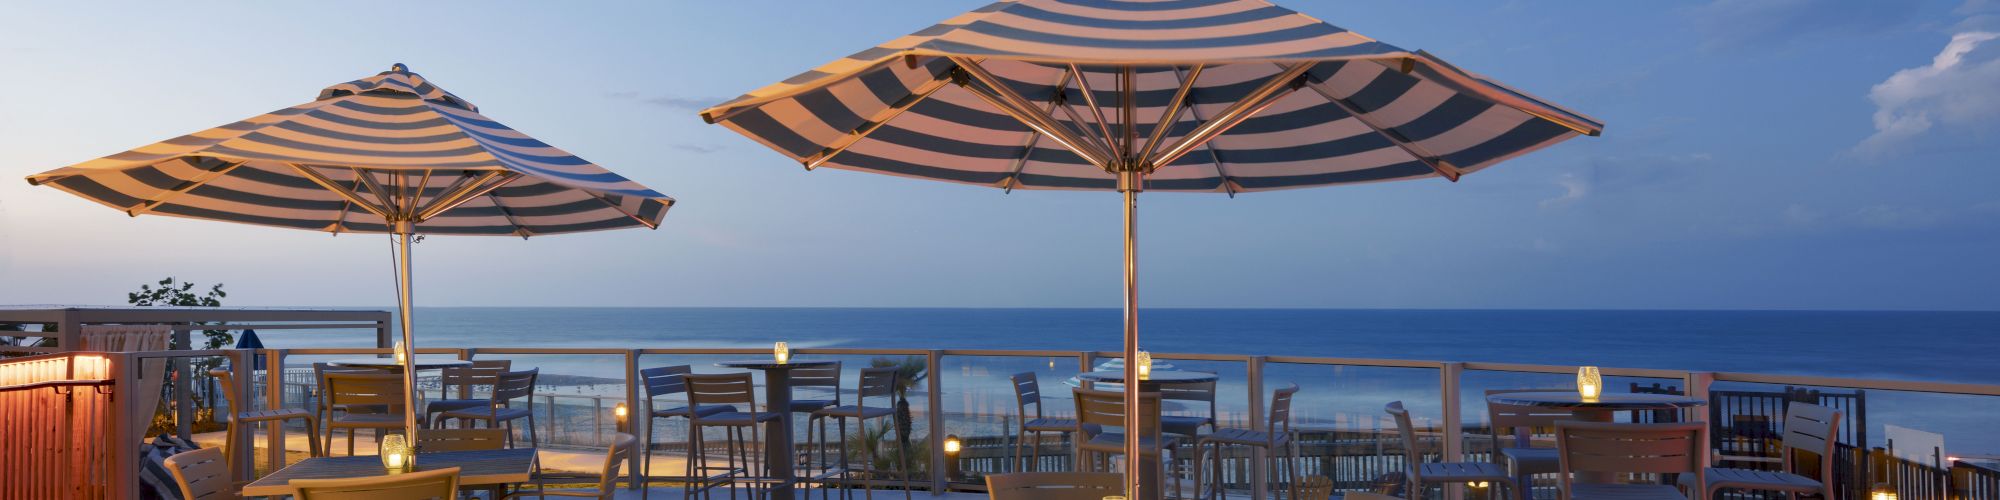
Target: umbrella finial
399, 68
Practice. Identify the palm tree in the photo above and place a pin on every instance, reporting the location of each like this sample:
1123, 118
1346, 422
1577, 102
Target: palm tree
909, 372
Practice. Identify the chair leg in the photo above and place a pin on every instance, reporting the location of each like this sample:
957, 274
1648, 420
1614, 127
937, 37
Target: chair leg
532, 441
312, 437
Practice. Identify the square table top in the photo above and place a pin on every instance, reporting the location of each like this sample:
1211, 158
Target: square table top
477, 468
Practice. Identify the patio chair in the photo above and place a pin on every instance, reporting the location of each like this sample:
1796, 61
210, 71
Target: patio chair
1522, 459
449, 440
499, 409
1027, 391
1321, 488
1276, 436
878, 382
1420, 474
607, 477
322, 408
1099, 410
347, 392
484, 372
1614, 448
662, 382
1188, 426
826, 377
202, 475
241, 415
1809, 428
1054, 485
441, 484
736, 390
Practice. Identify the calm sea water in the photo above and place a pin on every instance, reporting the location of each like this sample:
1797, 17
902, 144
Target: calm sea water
1929, 346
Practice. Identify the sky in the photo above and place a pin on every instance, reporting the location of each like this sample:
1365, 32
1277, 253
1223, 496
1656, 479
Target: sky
1767, 154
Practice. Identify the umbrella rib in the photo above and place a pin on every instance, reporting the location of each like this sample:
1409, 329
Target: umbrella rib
1069, 111
1129, 106
450, 200
1401, 141
1020, 164
894, 110
340, 222
1270, 92
1173, 113
1090, 99
619, 209
519, 228
381, 194
336, 188
184, 187
1214, 156
1011, 103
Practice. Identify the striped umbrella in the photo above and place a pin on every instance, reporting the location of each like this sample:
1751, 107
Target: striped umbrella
390, 153
1220, 96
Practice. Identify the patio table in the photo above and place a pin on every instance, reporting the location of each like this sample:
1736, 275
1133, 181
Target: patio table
778, 446
476, 468
1149, 465
391, 364
1602, 409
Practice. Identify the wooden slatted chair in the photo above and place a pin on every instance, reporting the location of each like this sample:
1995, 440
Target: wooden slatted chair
1519, 454
1614, 448
1027, 391
1053, 485
607, 477
666, 381
1280, 451
877, 382
202, 475
346, 392
1099, 410
240, 416
485, 372
1809, 428
1420, 474
500, 408
441, 484
742, 428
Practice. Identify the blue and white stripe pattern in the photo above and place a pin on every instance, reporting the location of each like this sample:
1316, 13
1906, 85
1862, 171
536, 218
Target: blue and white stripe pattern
1418, 116
396, 127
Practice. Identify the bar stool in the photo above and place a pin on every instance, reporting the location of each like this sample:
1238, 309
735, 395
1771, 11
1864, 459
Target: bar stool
1523, 460
1277, 435
347, 392
663, 382
499, 409
875, 382
729, 389
1027, 391
1420, 474
242, 415
483, 372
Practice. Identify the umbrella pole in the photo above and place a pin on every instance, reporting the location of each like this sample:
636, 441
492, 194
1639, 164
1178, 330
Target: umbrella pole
409, 345
1128, 185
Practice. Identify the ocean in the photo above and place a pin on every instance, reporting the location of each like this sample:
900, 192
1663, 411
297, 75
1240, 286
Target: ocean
1924, 346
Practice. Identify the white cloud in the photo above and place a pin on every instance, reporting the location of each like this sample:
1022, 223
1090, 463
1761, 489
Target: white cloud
1574, 188
1956, 88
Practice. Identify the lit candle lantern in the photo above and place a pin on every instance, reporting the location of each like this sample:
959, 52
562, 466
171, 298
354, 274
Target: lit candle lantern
396, 453
782, 353
1883, 491
401, 355
1145, 362
1589, 383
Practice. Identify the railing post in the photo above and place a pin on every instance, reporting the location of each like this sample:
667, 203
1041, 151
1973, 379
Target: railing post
1454, 422
184, 381
128, 432
1697, 385
634, 414
934, 364
274, 398
1254, 372
242, 364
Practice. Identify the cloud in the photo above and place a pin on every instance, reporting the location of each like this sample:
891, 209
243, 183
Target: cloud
1616, 174
1574, 188
670, 102
1728, 24
697, 148
1956, 88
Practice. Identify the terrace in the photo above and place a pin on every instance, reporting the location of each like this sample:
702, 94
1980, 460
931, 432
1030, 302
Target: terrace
94, 449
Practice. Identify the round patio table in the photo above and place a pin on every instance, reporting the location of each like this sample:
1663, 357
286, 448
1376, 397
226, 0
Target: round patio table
1149, 465
391, 364
1603, 409
777, 398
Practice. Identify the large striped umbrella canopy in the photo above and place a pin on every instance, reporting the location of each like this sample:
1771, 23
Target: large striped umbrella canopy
1222, 96
390, 153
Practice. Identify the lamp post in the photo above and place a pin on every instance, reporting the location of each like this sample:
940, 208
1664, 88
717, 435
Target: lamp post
952, 445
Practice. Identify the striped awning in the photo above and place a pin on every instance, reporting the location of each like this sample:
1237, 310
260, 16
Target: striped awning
1350, 108
389, 144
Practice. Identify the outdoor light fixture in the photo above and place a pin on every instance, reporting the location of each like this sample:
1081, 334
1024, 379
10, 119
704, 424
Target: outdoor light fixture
781, 353
1145, 361
1589, 383
396, 454
1882, 491
622, 412
952, 444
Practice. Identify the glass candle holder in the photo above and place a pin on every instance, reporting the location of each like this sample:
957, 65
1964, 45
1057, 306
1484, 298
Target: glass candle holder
402, 356
1145, 364
396, 453
1589, 383
781, 352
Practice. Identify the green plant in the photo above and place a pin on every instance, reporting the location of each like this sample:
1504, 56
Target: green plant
891, 459
909, 372
174, 293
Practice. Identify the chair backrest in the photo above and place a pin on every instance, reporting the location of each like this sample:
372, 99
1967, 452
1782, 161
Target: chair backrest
721, 389
1053, 485
1815, 429
1191, 391
1520, 420
508, 386
364, 389
1413, 458
441, 440
614, 462
202, 474
877, 382
665, 380
1609, 447
321, 369
818, 376
228, 382
1027, 391
441, 484
482, 372
1107, 409
1281, 410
